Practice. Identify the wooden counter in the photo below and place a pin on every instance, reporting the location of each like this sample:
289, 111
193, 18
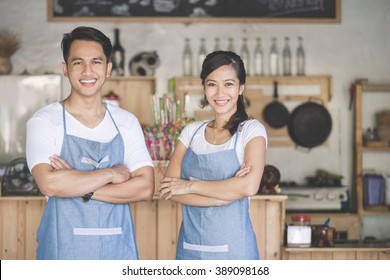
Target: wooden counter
339, 252
156, 223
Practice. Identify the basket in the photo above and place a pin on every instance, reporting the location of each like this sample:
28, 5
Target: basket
384, 132
383, 118
383, 125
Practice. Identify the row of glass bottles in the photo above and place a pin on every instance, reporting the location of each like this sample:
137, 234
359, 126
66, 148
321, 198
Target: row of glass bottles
258, 57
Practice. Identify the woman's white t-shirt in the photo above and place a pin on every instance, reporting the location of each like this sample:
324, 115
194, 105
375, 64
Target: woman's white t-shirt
248, 130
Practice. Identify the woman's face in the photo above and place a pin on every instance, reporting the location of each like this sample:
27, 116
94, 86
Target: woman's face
222, 89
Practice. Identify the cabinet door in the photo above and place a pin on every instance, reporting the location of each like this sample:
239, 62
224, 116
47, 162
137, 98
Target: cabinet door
135, 95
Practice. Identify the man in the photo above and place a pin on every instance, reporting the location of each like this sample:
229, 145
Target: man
90, 159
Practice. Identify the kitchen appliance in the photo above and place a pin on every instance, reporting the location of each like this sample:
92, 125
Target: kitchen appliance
17, 179
308, 198
20, 97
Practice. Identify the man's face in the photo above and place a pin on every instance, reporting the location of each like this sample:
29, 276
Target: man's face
86, 68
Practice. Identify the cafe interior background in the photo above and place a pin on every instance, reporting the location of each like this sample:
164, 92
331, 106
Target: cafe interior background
357, 47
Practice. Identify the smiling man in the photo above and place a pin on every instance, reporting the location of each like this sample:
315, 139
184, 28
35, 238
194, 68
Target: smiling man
90, 160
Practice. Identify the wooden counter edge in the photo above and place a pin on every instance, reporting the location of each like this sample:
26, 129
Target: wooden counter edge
155, 197
343, 248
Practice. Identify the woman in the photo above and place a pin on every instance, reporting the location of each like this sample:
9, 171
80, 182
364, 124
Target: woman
216, 166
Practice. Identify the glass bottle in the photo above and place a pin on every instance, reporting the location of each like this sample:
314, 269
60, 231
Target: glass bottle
202, 54
274, 59
118, 57
300, 58
187, 59
258, 58
217, 46
230, 45
245, 55
286, 57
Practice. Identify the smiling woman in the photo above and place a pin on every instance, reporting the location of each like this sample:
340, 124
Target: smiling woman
216, 166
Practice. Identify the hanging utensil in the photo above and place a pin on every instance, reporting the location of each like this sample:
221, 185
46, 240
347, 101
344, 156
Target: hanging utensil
310, 124
275, 113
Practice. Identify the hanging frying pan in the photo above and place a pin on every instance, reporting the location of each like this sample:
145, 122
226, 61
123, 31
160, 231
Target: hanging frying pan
275, 114
310, 124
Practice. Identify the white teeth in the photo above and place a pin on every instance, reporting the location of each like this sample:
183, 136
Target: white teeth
221, 102
88, 81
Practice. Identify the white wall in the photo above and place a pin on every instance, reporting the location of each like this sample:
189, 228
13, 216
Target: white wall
357, 47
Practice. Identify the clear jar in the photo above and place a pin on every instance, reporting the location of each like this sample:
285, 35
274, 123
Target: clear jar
301, 220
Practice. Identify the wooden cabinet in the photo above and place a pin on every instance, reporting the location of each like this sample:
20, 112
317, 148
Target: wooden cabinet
368, 100
292, 91
156, 222
135, 94
336, 253
342, 222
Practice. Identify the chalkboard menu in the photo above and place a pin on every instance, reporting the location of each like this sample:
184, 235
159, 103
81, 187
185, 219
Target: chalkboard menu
195, 10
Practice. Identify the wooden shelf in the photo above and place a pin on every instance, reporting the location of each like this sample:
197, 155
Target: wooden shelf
338, 252
22, 198
363, 88
375, 149
377, 209
375, 88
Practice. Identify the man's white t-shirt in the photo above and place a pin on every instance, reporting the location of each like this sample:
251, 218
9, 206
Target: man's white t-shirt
45, 134
249, 130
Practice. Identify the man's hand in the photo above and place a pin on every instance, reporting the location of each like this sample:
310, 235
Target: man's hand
120, 174
58, 163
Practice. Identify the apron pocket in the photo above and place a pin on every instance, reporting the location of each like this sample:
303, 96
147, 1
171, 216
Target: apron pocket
204, 248
97, 231
207, 252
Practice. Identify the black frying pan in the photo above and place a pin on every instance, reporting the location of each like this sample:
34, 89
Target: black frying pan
310, 124
275, 114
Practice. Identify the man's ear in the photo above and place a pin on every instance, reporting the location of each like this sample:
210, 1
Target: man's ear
109, 68
64, 69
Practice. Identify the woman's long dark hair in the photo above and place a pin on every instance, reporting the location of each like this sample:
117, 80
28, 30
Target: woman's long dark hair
216, 60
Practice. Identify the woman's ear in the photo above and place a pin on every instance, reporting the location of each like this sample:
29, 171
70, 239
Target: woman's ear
242, 87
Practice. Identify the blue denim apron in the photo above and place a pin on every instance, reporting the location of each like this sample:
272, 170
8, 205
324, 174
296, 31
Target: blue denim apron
73, 229
215, 232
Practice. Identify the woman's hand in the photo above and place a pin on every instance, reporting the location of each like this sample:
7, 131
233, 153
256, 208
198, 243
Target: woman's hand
173, 186
243, 170
170, 186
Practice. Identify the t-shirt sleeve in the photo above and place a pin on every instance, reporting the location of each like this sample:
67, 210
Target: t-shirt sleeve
137, 154
254, 128
40, 141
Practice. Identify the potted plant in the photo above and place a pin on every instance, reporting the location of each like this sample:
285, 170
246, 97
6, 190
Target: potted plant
9, 44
